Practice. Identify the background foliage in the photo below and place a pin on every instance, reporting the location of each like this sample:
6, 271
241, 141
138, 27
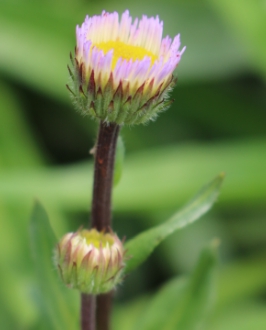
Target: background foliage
217, 123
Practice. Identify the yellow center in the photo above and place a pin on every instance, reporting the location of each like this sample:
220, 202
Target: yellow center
95, 238
127, 52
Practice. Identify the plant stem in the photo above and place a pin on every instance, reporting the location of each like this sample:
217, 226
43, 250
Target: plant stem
103, 176
103, 312
88, 310
101, 218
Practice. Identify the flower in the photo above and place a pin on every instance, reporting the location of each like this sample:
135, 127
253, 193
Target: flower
90, 261
123, 70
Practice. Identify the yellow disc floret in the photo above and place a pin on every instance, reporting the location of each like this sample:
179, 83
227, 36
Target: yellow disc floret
127, 52
97, 238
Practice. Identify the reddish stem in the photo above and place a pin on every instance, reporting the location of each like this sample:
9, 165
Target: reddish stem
88, 310
101, 219
103, 176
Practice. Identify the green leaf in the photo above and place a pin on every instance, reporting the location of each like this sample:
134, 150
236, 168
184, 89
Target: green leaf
55, 301
140, 247
183, 304
241, 280
119, 160
244, 316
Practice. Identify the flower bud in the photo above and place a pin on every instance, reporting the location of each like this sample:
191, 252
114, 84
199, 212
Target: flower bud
90, 261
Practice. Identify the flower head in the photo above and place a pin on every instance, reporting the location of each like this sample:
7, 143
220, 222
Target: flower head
123, 70
90, 261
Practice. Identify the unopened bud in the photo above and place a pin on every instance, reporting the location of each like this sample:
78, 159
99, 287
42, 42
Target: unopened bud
90, 261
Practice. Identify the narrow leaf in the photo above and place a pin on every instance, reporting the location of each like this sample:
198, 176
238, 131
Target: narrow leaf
119, 160
140, 247
183, 303
55, 301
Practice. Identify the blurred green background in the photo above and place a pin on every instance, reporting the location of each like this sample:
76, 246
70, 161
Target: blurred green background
217, 123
